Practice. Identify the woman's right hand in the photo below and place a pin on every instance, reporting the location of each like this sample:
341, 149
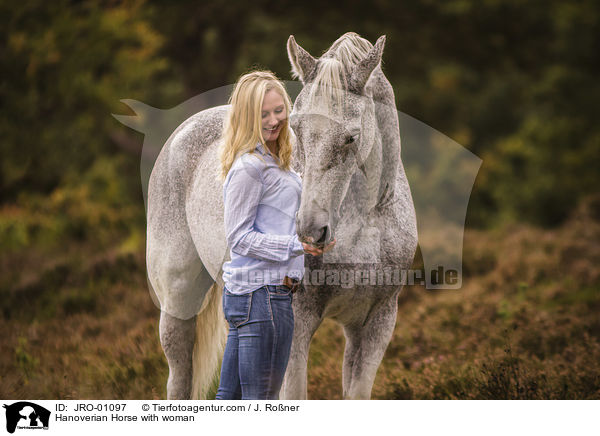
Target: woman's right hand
316, 251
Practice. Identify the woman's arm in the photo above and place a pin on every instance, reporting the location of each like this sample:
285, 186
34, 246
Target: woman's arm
241, 199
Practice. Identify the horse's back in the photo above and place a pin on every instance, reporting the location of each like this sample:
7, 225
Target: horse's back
179, 156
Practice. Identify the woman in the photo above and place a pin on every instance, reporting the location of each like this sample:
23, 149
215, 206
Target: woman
261, 195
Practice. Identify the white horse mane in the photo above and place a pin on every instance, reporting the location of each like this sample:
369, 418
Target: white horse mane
329, 84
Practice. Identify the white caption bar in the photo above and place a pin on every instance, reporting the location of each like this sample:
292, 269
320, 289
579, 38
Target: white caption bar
91, 417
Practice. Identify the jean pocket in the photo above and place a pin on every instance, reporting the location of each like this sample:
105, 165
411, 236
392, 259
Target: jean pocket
236, 308
279, 291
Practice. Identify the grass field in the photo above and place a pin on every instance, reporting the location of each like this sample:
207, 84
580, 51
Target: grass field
78, 323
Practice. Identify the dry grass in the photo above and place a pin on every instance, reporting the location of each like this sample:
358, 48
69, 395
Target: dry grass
82, 330
524, 325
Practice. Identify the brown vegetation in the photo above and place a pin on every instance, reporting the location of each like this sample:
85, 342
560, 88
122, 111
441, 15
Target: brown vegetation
524, 325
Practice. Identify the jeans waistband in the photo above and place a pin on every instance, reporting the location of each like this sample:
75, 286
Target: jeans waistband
278, 287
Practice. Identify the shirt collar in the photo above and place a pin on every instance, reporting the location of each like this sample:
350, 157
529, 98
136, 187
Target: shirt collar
261, 149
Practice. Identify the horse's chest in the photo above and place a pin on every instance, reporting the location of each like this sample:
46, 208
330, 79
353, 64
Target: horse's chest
351, 305
356, 242
374, 240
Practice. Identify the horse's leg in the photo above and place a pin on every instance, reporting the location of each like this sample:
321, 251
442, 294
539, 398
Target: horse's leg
306, 322
365, 346
352, 334
180, 281
183, 291
177, 339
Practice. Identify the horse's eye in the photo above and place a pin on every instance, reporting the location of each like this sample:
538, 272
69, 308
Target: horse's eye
349, 140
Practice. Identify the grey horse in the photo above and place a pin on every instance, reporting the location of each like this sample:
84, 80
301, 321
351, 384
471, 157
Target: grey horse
354, 189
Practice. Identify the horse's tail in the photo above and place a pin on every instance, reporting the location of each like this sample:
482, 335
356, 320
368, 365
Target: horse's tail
211, 334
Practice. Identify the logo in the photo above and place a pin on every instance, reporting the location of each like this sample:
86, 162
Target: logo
26, 415
441, 174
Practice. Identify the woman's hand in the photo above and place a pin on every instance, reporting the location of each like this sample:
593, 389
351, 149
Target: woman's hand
316, 251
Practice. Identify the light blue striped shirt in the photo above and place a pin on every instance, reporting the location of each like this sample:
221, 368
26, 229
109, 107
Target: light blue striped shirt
261, 201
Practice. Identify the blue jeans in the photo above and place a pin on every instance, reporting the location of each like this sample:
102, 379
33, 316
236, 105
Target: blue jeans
261, 325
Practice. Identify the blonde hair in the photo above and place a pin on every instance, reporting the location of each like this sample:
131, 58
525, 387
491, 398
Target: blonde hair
242, 129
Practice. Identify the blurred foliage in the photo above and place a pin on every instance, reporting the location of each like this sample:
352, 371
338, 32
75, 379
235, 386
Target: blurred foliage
65, 65
93, 207
514, 82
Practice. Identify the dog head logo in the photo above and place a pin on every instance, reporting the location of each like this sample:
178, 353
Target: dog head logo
26, 415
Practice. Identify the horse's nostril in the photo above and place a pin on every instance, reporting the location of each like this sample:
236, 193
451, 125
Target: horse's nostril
323, 237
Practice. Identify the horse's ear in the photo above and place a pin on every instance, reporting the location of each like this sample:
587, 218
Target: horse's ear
362, 72
302, 62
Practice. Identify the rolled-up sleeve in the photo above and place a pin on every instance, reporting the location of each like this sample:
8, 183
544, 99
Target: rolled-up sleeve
242, 195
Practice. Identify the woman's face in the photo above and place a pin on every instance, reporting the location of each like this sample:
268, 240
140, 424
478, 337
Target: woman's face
273, 115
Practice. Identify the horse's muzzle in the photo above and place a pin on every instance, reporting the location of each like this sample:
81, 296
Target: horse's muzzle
316, 230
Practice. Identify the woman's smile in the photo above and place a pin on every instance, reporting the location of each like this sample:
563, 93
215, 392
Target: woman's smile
273, 115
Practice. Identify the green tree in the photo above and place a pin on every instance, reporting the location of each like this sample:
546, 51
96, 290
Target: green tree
65, 67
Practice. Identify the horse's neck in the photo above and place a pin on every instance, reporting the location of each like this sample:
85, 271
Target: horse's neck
372, 169
382, 164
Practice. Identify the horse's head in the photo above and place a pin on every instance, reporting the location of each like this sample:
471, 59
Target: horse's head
335, 126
